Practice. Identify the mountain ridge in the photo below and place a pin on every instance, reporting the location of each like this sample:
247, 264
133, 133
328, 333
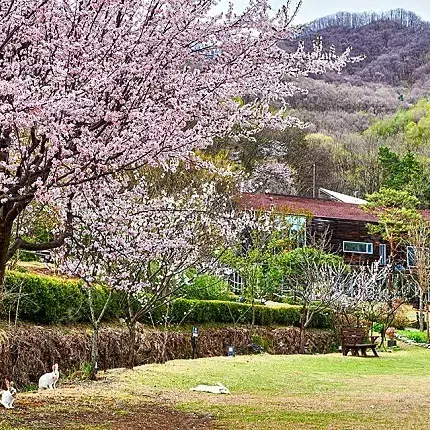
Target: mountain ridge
395, 43
403, 17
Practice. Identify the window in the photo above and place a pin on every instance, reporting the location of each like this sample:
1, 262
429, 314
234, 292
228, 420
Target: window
358, 247
382, 254
237, 283
410, 256
297, 229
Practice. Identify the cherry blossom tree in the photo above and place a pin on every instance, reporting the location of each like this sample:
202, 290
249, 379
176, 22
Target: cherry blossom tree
142, 246
92, 87
271, 177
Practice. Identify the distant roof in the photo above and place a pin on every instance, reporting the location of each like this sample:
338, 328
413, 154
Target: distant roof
342, 197
319, 208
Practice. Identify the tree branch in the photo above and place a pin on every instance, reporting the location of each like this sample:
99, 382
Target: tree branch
20, 243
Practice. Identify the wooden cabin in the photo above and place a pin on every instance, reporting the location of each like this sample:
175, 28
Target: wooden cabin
344, 223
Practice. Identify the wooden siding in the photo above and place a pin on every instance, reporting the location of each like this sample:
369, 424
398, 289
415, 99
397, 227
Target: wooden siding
339, 230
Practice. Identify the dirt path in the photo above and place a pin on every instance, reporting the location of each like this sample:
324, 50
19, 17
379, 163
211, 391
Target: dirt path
69, 409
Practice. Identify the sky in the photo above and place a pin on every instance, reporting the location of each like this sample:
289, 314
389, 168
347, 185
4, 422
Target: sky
312, 9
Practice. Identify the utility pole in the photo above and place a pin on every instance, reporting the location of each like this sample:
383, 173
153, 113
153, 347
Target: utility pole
314, 174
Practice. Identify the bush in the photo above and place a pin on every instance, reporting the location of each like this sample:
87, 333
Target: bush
27, 256
43, 299
214, 311
47, 299
378, 327
290, 300
416, 336
207, 287
401, 321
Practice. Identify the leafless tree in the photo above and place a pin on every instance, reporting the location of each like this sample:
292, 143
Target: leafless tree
319, 283
369, 297
420, 239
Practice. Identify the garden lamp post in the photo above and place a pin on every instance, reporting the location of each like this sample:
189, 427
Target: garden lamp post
194, 337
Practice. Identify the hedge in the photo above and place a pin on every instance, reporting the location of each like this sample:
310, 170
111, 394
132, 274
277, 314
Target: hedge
47, 300
210, 311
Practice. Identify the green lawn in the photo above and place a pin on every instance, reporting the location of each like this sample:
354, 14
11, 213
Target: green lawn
267, 392
306, 392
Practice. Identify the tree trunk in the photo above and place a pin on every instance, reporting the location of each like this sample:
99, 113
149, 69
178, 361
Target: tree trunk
131, 344
96, 325
252, 319
94, 352
421, 312
303, 318
5, 235
391, 268
302, 340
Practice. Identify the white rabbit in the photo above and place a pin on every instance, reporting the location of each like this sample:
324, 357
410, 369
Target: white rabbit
48, 380
215, 389
8, 396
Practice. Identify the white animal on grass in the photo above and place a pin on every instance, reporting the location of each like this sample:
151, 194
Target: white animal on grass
215, 389
8, 396
48, 380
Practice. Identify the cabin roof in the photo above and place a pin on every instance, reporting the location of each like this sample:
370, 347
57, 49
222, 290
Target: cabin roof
319, 208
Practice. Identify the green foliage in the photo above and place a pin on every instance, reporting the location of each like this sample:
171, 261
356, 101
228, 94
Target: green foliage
290, 267
416, 336
400, 321
206, 287
46, 299
378, 327
38, 223
413, 124
290, 300
398, 171
212, 311
295, 259
390, 198
396, 212
266, 344
29, 388
255, 259
253, 266
404, 173
27, 255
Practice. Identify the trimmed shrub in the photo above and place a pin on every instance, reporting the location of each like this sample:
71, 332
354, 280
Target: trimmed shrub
43, 299
214, 311
47, 299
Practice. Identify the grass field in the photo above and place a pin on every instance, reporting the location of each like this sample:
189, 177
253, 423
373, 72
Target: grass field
267, 392
306, 392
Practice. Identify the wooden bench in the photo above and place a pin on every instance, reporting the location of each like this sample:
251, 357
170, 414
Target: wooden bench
354, 339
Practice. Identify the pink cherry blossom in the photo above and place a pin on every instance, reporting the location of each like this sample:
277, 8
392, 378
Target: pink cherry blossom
91, 87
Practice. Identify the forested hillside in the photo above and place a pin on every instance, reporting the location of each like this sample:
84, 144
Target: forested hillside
395, 45
374, 105
394, 73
